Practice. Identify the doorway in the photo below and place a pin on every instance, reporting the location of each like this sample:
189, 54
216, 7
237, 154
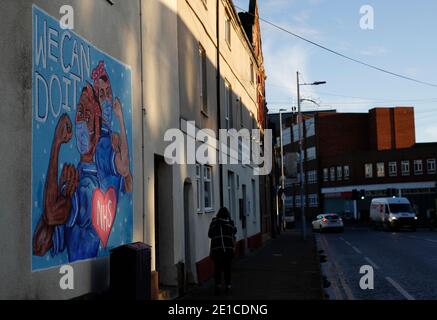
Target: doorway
164, 239
188, 211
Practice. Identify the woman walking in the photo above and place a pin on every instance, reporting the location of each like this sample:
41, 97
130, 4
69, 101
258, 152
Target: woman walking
222, 233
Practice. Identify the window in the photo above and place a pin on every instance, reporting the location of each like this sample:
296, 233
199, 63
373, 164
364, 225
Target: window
296, 132
339, 173
241, 106
309, 128
228, 29
204, 188
332, 173
311, 153
380, 170
286, 136
392, 169
254, 201
418, 167
325, 174
297, 201
430, 164
252, 73
289, 202
368, 170
198, 188
313, 200
400, 208
346, 172
207, 188
232, 195
228, 105
299, 178
312, 177
203, 80
405, 168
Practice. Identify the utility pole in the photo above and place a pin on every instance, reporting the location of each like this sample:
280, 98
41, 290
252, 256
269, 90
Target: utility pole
300, 129
301, 151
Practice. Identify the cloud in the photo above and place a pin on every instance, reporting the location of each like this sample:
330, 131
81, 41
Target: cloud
302, 17
412, 71
281, 66
374, 51
427, 134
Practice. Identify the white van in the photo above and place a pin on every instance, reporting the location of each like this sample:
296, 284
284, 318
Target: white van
392, 213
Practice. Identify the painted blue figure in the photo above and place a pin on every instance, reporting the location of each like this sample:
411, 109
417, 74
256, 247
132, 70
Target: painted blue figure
112, 152
78, 234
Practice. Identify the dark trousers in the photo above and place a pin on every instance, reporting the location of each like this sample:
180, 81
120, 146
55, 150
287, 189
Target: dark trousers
222, 264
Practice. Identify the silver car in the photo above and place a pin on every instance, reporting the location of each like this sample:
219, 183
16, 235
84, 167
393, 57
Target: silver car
328, 221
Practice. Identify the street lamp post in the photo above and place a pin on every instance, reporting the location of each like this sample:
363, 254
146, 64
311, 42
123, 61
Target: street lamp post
301, 160
282, 170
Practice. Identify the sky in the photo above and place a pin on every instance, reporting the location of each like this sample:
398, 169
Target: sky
403, 41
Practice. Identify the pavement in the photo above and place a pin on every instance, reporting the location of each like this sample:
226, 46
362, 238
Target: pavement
404, 264
285, 268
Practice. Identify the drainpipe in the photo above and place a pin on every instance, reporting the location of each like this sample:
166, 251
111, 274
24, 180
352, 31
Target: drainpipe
218, 96
143, 115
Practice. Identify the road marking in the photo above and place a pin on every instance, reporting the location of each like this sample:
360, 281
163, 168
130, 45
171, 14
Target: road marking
356, 250
339, 271
348, 243
341, 238
422, 239
373, 264
400, 289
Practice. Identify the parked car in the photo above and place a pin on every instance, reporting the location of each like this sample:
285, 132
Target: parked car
392, 213
328, 221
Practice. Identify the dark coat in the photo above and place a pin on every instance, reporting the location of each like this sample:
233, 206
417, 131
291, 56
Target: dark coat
222, 233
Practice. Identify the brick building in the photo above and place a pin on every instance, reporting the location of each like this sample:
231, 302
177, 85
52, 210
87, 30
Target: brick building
373, 152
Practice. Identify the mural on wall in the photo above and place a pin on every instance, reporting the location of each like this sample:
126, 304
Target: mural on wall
81, 148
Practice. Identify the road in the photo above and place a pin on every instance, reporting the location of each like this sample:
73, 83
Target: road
404, 264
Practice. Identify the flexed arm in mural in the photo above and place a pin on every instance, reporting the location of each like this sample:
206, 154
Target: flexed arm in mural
57, 197
112, 151
121, 148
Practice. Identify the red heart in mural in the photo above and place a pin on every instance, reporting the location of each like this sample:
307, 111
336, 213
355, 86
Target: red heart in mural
103, 213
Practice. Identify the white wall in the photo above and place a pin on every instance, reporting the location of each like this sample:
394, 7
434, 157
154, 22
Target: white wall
115, 30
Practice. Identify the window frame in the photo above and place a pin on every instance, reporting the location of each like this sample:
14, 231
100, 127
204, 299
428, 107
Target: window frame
228, 28
252, 73
368, 174
391, 165
325, 175
405, 163
228, 105
199, 192
332, 174
418, 164
203, 80
348, 175
205, 181
241, 111
428, 162
313, 200
380, 173
313, 156
339, 171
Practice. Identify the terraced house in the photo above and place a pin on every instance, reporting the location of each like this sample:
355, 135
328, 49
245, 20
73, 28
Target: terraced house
89, 108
